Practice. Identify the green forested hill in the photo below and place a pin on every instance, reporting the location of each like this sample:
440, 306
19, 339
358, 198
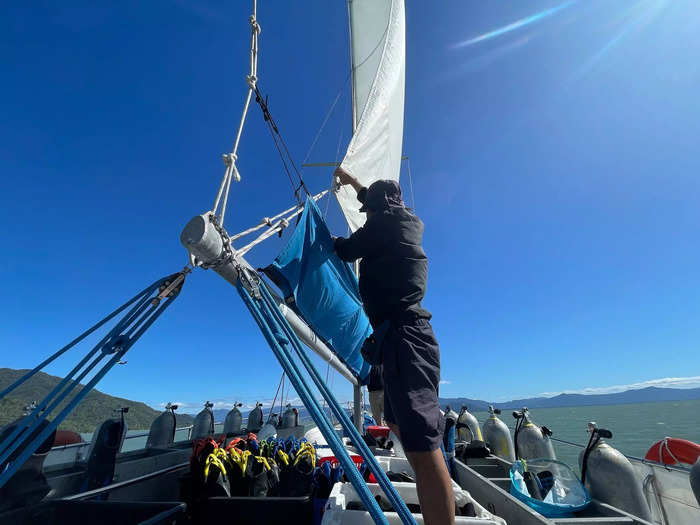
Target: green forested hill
93, 410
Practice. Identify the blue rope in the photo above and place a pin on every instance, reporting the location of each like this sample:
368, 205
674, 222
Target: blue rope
137, 321
75, 341
274, 334
341, 415
25, 427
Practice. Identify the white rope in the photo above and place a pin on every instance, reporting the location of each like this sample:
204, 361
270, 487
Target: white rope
266, 221
231, 158
277, 227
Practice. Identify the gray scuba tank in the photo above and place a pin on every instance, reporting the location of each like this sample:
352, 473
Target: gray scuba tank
106, 443
451, 414
162, 432
530, 440
610, 477
234, 420
695, 480
255, 418
290, 418
468, 426
203, 425
497, 436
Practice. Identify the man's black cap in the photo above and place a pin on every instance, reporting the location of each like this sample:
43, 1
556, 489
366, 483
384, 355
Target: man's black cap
382, 195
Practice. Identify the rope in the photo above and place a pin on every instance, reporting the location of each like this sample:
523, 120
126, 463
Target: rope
278, 227
355, 437
274, 400
278, 341
266, 221
231, 158
410, 182
282, 395
665, 446
146, 308
325, 120
328, 370
279, 140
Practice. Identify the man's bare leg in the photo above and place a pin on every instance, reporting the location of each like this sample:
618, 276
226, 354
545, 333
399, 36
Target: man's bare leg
433, 484
376, 403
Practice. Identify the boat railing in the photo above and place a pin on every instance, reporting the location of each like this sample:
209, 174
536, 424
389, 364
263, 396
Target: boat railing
645, 461
121, 484
73, 454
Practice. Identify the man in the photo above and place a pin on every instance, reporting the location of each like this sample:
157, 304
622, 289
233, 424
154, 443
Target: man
375, 387
393, 276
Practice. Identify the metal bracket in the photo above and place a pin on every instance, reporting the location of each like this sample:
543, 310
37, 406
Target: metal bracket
249, 279
172, 286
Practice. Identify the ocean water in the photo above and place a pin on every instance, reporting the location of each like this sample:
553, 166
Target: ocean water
635, 427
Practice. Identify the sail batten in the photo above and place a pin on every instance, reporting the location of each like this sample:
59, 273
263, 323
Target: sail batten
378, 52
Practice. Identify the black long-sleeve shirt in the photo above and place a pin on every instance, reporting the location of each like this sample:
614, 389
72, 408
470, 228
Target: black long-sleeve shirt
394, 267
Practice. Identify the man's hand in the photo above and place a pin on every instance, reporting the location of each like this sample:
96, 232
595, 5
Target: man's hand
343, 178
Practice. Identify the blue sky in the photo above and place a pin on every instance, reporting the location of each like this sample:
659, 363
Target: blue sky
553, 150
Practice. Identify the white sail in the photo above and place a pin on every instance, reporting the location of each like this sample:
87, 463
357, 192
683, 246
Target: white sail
378, 51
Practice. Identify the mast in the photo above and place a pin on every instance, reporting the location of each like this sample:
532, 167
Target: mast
356, 388
353, 106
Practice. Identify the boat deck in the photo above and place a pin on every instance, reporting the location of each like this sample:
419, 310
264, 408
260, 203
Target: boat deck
488, 481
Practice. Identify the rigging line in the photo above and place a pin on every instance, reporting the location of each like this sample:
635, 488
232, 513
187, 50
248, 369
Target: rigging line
326, 118
410, 182
274, 400
282, 394
284, 163
337, 159
328, 370
230, 158
277, 227
381, 39
274, 130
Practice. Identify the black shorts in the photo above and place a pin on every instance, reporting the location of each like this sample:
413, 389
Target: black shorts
411, 358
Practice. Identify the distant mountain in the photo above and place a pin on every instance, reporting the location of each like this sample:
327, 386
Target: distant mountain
455, 403
642, 395
93, 410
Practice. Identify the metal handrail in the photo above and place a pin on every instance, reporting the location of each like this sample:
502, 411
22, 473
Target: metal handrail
87, 443
121, 484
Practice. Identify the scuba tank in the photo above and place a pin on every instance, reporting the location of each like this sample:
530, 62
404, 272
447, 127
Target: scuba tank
290, 418
497, 436
695, 480
609, 476
468, 426
162, 432
234, 420
203, 425
255, 419
106, 443
530, 440
269, 429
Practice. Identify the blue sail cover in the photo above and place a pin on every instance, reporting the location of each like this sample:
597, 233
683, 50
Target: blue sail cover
324, 289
